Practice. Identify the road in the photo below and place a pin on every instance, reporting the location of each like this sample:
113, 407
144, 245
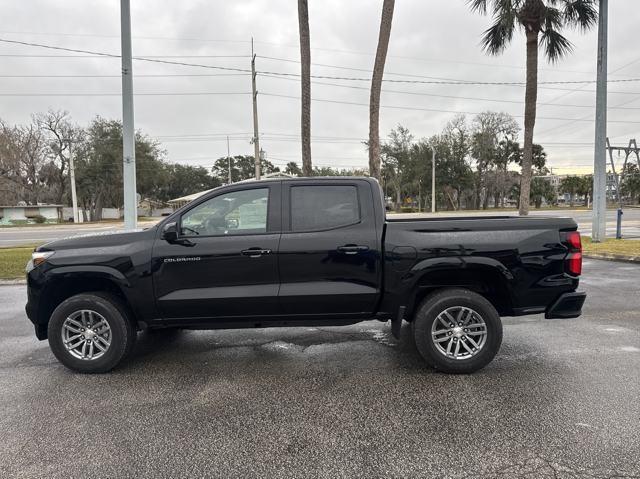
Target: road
560, 400
630, 219
40, 234
21, 235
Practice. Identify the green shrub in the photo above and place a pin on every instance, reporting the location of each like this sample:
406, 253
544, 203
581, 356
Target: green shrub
39, 219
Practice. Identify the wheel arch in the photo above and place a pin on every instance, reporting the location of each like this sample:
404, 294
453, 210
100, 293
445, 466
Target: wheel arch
484, 276
66, 283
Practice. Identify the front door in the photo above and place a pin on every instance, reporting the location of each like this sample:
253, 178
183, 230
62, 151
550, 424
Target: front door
329, 253
224, 263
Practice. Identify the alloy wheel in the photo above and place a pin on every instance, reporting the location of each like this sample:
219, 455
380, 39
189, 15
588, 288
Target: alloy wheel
86, 334
459, 333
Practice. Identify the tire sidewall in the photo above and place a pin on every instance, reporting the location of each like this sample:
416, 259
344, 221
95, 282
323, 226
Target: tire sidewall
436, 304
113, 315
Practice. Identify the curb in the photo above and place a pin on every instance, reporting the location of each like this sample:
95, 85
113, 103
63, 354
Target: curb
12, 282
613, 257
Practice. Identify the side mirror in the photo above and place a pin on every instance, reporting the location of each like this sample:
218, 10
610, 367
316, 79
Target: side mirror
170, 232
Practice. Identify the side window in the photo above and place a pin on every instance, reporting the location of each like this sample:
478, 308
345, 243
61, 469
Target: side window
235, 213
323, 207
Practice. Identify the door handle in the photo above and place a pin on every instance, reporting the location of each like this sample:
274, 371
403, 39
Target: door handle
255, 252
352, 249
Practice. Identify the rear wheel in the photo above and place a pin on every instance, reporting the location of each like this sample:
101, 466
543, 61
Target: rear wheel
457, 331
91, 333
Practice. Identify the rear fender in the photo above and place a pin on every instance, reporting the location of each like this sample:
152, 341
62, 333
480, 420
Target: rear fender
458, 271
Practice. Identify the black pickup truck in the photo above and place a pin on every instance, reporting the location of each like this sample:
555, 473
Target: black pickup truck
300, 252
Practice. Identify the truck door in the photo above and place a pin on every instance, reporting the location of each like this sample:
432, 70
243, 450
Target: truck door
329, 257
224, 261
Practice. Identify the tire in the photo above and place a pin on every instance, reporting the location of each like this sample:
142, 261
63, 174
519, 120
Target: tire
90, 310
437, 341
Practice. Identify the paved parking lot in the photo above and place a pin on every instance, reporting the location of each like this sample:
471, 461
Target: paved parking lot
562, 399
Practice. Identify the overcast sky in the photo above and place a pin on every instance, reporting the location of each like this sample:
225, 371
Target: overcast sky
429, 39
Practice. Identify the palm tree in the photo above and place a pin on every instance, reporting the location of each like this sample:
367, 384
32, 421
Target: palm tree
542, 22
305, 60
376, 86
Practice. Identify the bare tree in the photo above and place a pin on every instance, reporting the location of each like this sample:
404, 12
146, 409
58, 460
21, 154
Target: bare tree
376, 87
59, 132
21, 160
305, 61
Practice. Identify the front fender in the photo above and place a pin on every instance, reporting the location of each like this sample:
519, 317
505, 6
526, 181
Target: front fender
102, 272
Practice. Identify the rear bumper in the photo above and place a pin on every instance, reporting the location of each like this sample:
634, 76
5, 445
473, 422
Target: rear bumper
568, 305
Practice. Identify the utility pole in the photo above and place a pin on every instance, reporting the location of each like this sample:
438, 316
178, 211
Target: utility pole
72, 175
256, 139
229, 159
433, 180
128, 139
599, 224
619, 179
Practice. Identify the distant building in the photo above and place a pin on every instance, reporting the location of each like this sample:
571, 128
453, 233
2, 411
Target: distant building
27, 214
183, 200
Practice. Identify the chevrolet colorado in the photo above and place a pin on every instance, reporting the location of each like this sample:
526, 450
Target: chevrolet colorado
300, 252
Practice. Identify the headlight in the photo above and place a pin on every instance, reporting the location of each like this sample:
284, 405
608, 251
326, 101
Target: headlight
39, 257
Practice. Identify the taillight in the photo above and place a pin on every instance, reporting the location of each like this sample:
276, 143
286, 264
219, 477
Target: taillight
573, 261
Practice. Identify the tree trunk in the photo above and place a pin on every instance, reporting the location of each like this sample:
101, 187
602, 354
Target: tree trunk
376, 86
305, 76
97, 208
530, 98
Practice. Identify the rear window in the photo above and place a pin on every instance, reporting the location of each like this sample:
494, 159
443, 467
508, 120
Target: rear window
323, 207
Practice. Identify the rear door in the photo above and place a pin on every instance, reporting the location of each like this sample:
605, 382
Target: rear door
329, 258
224, 264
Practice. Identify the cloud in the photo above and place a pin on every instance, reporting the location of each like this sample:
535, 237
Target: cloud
429, 39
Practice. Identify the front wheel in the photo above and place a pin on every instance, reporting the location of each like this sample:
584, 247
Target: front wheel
457, 331
90, 332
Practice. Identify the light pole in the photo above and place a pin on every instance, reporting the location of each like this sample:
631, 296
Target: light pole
599, 224
128, 138
256, 135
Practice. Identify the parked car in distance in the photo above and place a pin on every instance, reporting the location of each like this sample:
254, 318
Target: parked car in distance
303, 252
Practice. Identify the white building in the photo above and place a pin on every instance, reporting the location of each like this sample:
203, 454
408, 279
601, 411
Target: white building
27, 214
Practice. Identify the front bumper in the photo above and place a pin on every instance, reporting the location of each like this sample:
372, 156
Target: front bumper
568, 305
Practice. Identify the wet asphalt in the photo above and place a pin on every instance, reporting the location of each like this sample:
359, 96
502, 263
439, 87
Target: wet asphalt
561, 399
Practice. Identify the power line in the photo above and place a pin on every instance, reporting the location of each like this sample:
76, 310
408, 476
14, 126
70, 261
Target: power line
436, 110
334, 50
112, 55
366, 70
169, 75
98, 55
343, 102
390, 80
120, 94
138, 75
519, 102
